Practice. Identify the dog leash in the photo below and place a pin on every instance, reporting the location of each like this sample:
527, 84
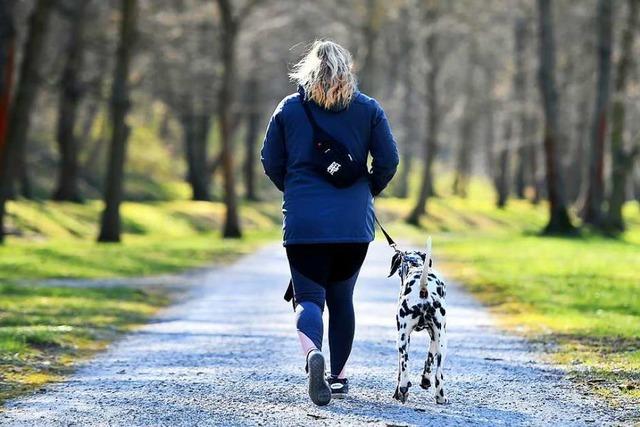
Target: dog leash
390, 240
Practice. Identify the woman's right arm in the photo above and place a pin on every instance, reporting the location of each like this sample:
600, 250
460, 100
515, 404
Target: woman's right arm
273, 154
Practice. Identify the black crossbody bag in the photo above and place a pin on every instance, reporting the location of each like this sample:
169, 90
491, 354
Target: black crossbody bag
335, 163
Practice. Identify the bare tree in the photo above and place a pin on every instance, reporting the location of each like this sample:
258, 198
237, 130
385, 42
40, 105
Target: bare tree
7, 57
430, 147
592, 211
253, 115
488, 115
520, 94
501, 177
409, 125
559, 222
230, 26
465, 144
187, 64
622, 159
26, 93
19, 115
371, 32
71, 90
537, 179
110, 228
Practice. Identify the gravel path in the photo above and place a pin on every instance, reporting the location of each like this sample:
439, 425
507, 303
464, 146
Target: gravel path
228, 356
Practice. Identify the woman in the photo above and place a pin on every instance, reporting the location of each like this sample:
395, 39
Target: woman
327, 230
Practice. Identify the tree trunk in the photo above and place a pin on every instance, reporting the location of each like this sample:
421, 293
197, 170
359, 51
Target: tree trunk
502, 166
490, 134
26, 93
592, 211
7, 58
433, 118
520, 92
195, 130
559, 222
578, 157
536, 176
463, 163
229, 33
111, 225
621, 159
19, 115
253, 131
370, 32
409, 113
203, 124
70, 95
7, 62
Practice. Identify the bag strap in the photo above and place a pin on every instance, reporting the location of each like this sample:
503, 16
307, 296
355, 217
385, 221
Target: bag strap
318, 131
316, 128
390, 241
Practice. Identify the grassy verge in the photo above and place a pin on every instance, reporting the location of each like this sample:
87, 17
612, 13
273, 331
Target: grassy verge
44, 331
581, 293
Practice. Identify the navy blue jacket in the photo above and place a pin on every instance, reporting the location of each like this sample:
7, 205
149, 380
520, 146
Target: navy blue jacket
314, 210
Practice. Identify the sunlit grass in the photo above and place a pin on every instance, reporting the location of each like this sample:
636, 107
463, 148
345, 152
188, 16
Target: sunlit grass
58, 239
583, 293
44, 330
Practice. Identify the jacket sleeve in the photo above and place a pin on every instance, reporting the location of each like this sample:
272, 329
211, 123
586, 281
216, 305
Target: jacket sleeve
384, 154
273, 154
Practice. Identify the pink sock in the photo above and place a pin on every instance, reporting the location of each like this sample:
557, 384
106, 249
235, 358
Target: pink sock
343, 373
306, 344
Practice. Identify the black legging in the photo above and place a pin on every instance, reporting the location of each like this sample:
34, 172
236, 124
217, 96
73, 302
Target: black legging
327, 272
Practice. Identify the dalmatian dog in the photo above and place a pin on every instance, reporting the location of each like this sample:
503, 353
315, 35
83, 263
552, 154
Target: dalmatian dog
421, 306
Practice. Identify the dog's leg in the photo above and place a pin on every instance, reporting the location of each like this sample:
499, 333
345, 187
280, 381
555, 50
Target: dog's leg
428, 364
402, 388
440, 340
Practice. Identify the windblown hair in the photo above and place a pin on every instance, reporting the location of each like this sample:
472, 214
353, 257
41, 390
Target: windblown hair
326, 75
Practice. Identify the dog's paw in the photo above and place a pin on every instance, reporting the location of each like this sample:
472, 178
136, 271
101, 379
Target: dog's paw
425, 383
442, 400
402, 393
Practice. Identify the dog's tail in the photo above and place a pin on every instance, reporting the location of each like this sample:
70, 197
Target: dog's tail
426, 269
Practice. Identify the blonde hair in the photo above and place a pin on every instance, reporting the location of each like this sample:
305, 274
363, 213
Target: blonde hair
326, 75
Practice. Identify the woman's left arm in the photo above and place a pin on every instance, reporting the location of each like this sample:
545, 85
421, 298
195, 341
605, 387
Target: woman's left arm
274, 154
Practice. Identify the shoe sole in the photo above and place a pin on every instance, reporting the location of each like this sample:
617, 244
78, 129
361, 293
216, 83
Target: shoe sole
339, 396
319, 390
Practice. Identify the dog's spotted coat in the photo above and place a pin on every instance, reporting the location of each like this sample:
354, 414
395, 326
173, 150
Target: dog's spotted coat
421, 306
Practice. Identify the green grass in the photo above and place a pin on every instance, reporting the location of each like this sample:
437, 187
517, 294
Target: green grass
58, 239
43, 331
582, 293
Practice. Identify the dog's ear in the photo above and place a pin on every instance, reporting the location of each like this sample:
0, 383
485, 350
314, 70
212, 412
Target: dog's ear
395, 263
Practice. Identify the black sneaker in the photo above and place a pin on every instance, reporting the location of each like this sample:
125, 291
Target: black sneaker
339, 387
319, 390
